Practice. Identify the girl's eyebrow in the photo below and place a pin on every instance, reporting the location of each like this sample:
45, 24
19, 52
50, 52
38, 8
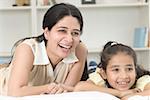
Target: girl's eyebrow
117, 66
131, 65
114, 66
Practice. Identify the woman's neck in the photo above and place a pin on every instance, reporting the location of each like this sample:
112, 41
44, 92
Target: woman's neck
54, 60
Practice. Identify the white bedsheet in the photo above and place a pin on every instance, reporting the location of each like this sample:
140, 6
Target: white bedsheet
73, 96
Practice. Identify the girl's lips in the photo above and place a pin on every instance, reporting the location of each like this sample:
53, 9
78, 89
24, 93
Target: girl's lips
123, 84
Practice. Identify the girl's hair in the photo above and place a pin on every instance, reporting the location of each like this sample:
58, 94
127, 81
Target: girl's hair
111, 48
51, 17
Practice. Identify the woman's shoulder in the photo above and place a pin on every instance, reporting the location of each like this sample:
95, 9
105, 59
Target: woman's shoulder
34, 45
30, 41
38, 50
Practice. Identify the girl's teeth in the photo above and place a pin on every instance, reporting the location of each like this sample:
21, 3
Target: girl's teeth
122, 83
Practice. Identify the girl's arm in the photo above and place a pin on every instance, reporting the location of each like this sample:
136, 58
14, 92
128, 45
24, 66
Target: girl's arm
146, 80
145, 92
22, 64
143, 83
90, 86
76, 72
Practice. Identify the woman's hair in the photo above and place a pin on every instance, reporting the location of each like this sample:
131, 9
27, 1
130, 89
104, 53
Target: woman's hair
52, 16
56, 13
112, 48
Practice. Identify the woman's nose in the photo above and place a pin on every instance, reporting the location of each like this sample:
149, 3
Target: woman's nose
69, 37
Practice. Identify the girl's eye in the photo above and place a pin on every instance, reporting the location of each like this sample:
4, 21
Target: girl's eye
130, 69
116, 70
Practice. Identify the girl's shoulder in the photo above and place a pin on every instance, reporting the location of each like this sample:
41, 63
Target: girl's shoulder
96, 78
142, 81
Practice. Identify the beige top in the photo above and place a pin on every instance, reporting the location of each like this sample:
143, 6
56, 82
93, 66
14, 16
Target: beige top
96, 78
42, 72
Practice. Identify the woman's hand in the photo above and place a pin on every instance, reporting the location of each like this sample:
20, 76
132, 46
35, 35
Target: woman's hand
67, 88
54, 88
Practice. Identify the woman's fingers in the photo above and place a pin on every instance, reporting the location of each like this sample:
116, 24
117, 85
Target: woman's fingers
54, 88
57, 88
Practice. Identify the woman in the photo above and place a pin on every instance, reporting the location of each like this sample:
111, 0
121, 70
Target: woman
47, 63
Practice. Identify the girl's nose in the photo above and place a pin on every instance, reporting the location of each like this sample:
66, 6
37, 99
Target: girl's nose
123, 74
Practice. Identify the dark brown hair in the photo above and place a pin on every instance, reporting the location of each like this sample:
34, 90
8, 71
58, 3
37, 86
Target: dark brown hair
111, 48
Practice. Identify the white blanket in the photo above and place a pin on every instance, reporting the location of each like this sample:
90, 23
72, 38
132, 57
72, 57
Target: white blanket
73, 96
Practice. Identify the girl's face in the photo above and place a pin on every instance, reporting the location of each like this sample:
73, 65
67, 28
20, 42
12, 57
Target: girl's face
120, 72
63, 37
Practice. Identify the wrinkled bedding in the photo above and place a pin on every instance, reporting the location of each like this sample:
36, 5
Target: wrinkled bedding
74, 96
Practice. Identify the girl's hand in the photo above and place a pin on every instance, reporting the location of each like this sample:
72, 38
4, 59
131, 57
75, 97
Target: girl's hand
130, 92
126, 97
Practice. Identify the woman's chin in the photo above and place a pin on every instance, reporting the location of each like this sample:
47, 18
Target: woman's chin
64, 55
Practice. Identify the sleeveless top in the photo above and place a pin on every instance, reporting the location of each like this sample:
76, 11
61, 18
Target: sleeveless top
42, 71
96, 78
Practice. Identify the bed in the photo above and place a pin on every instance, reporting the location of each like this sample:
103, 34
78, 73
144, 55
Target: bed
90, 95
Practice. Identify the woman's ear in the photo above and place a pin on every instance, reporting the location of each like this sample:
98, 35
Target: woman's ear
46, 33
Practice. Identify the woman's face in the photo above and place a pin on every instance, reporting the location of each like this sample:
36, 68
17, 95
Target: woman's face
120, 72
63, 37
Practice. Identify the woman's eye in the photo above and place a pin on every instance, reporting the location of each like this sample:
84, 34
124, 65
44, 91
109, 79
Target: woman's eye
75, 33
64, 31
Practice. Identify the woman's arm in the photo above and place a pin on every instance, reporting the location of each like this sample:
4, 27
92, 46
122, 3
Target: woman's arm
22, 64
75, 74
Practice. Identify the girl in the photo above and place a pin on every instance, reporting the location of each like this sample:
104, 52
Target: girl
48, 63
118, 73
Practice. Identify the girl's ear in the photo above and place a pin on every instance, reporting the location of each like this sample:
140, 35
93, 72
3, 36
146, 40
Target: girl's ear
46, 33
103, 73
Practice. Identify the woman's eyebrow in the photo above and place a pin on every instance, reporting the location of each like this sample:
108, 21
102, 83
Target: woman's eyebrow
68, 28
63, 27
77, 30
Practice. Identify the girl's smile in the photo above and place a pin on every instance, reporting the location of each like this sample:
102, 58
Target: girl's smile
120, 72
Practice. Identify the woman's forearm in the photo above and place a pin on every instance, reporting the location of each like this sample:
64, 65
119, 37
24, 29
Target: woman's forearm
28, 90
